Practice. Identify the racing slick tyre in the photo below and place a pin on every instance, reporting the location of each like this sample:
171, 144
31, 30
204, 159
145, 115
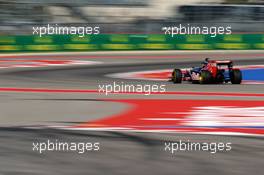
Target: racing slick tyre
205, 77
236, 76
177, 76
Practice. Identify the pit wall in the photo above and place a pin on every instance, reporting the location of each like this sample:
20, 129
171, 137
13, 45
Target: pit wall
104, 42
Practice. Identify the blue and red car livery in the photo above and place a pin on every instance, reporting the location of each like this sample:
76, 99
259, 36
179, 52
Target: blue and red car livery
211, 71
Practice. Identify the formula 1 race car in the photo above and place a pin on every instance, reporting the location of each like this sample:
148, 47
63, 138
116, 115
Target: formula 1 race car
211, 71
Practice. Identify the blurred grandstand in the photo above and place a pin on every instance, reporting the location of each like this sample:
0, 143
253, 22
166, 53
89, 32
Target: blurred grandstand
130, 16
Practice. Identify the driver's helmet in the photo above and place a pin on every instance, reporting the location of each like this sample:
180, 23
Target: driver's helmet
205, 62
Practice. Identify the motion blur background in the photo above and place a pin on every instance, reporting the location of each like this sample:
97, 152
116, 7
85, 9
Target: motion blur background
130, 16
31, 105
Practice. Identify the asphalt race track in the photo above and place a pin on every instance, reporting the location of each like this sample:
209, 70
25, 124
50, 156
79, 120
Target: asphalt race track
37, 103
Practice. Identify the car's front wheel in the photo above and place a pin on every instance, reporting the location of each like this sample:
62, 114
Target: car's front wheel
176, 76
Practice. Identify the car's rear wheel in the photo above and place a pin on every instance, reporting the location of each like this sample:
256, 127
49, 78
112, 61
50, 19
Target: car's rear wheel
236, 76
176, 76
205, 77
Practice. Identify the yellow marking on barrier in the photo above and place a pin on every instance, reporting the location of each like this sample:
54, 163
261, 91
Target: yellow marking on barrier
9, 47
156, 46
85, 39
233, 38
119, 38
194, 46
42, 47
43, 39
7, 40
259, 45
232, 46
156, 38
195, 38
80, 46
118, 46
